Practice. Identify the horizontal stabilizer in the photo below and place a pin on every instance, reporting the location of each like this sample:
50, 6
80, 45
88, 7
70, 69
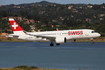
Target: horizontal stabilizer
12, 35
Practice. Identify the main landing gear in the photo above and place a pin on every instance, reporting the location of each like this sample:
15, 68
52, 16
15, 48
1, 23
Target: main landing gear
57, 44
51, 44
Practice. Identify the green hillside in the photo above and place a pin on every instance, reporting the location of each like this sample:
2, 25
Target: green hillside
49, 16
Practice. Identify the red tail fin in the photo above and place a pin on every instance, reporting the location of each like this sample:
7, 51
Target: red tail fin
14, 25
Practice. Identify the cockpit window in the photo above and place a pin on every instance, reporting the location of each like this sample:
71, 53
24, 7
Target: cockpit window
93, 32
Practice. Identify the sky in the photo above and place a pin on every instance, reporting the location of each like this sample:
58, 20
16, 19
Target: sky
8, 2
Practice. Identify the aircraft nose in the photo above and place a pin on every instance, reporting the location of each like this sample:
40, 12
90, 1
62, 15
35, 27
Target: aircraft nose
98, 35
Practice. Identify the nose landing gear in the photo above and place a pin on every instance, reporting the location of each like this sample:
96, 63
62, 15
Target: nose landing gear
92, 40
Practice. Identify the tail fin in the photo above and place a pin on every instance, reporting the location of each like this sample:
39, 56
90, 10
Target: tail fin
14, 25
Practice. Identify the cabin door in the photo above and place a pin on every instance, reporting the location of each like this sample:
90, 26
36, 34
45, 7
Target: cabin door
86, 33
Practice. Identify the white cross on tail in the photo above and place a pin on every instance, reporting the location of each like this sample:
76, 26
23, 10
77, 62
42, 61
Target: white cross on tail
14, 25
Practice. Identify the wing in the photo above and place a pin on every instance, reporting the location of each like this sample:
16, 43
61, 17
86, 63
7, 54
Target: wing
50, 38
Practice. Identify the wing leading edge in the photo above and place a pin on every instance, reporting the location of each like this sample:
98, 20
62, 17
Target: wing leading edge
41, 36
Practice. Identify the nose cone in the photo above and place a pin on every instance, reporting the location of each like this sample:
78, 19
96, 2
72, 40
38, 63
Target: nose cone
98, 35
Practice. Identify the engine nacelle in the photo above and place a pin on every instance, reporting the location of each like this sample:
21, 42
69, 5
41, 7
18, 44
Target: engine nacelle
60, 40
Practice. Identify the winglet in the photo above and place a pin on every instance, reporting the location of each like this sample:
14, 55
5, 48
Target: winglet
57, 29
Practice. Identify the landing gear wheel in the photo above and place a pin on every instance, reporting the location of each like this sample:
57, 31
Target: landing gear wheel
51, 44
74, 40
57, 44
92, 42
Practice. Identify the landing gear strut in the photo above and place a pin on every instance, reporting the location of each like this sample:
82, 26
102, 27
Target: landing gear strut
74, 40
92, 40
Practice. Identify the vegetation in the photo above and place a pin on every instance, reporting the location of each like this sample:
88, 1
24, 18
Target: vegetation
70, 16
24, 67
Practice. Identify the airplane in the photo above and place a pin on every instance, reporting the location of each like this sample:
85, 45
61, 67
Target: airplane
59, 36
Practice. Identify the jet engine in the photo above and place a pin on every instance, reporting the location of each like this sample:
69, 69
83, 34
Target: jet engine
60, 40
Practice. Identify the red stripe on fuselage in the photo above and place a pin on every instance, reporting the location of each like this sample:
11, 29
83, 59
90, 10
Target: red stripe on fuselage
75, 33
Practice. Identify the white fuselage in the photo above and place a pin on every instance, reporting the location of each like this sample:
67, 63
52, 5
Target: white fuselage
68, 34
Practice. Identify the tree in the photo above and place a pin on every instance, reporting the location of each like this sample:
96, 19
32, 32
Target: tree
23, 14
23, 66
33, 67
101, 29
3, 14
